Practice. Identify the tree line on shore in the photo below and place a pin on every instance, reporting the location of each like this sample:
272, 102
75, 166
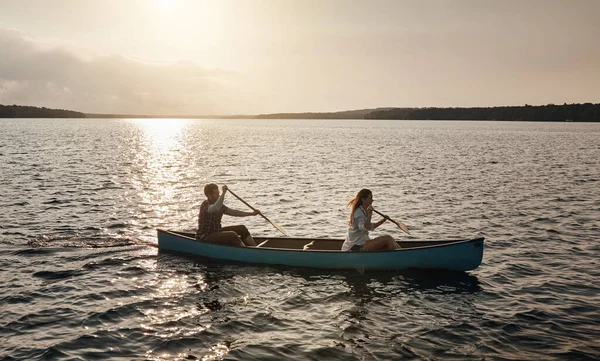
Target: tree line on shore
586, 112
20, 111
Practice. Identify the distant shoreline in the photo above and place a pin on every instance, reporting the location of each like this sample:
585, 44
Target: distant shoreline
586, 112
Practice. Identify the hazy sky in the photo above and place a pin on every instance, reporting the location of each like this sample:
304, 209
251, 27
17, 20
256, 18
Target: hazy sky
267, 56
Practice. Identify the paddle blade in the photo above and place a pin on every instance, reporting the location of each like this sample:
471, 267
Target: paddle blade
403, 227
279, 227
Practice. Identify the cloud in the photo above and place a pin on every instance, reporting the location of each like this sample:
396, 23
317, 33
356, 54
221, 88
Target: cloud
34, 74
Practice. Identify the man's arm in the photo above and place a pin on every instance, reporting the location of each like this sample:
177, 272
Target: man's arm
214, 208
236, 213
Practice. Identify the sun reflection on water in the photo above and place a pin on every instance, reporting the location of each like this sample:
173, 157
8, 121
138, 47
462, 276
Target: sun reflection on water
162, 134
217, 352
171, 319
161, 165
176, 286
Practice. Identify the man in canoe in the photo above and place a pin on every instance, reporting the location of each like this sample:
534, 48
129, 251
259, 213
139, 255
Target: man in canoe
357, 238
209, 220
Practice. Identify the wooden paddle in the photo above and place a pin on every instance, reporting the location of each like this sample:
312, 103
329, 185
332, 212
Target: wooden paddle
401, 225
279, 228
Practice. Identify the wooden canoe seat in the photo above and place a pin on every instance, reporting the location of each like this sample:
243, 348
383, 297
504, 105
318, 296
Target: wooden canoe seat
301, 244
323, 245
281, 243
263, 243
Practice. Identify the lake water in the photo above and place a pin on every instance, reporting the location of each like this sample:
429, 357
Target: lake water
81, 199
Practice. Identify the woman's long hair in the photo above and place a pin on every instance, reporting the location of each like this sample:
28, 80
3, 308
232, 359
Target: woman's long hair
357, 201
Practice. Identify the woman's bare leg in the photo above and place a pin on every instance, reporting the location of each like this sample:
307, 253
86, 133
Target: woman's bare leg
381, 243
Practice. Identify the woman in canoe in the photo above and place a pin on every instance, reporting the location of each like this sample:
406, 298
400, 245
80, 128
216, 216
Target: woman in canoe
209, 220
357, 238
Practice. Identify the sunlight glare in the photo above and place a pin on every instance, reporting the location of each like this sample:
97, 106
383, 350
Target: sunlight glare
162, 132
166, 4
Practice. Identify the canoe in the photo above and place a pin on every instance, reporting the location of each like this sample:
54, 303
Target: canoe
453, 255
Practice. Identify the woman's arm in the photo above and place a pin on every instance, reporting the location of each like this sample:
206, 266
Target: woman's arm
382, 221
367, 225
362, 220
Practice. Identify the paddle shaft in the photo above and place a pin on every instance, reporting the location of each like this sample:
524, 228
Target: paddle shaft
254, 209
384, 216
404, 229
